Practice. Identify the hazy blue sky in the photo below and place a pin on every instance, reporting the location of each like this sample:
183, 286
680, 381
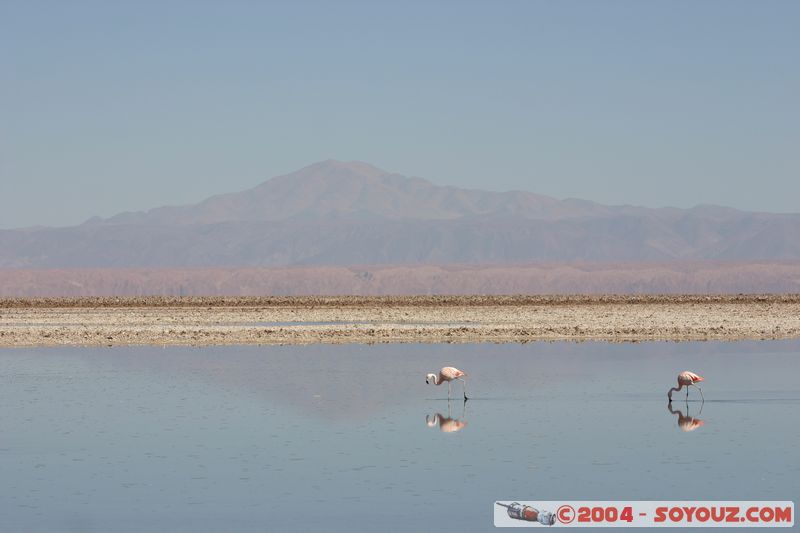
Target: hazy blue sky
112, 106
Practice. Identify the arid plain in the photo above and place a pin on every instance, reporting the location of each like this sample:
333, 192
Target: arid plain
302, 320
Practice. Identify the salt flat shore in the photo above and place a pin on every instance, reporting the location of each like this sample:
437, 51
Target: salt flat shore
303, 320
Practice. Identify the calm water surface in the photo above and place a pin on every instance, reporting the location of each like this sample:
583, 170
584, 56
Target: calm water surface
348, 438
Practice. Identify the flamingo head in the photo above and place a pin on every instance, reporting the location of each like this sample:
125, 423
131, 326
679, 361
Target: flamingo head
430, 377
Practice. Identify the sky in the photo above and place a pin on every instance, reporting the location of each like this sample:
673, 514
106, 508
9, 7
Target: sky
114, 106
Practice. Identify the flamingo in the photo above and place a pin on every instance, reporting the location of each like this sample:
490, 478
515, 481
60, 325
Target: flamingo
448, 374
686, 379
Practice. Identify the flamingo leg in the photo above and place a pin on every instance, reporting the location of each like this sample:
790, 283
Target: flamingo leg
448, 390
701, 393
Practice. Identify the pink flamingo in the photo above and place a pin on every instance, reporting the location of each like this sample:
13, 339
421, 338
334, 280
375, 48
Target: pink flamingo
448, 374
686, 379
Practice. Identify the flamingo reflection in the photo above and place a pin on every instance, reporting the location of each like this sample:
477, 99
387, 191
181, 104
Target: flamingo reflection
687, 422
447, 424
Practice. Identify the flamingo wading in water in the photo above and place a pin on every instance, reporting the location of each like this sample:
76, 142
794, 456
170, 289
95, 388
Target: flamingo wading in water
686, 379
448, 374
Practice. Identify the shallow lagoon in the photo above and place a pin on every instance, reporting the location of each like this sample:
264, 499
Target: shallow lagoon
345, 438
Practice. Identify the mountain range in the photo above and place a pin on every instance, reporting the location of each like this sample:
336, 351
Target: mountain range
352, 213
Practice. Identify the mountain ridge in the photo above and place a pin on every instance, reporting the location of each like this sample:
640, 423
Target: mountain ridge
333, 186
341, 213
372, 174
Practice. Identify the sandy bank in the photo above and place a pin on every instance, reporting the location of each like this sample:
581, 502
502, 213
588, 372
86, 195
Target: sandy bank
301, 320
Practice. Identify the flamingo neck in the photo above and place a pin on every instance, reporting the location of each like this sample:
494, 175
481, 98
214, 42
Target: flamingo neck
674, 389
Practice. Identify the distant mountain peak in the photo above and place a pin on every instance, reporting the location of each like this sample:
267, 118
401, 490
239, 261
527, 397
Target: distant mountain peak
351, 212
330, 171
335, 166
353, 189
